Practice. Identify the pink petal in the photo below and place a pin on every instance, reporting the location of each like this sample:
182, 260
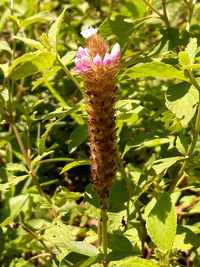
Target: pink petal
97, 60
107, 59
115, 53
82, 52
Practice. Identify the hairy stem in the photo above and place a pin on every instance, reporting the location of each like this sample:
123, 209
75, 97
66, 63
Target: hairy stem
104, 233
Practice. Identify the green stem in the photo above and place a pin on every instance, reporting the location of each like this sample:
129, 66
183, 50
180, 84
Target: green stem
165, 17
39, 238
104, 233
153, 8
28, 161
70, 76
191, 6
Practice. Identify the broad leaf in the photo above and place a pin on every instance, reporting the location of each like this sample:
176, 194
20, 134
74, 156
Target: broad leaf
161, 223
182, 100
184, 58
39, 17
31, 42
80, 247
185, 239
191, 49
5, 46
74, 164
154, 69
162, 165
22, 59
119, 27
16, 204
78, 136
40, 62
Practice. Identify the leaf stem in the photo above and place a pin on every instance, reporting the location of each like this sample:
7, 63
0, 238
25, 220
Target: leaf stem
70, 75
39, 238
163, 16
153, 8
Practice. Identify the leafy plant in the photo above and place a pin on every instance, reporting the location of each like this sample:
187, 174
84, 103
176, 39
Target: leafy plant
50, 214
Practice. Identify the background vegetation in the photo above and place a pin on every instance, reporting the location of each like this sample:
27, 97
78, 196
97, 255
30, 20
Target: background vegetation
49, 211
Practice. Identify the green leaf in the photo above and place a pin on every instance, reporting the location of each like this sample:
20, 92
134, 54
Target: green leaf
42, 146
154, 69
184, 58
45, 76
119, 27
145, 140
62, 194
58, 231
92, 202
161, 223
162, 165
5, 46
59, 113
40, 62
67, 59
182, 100
74, 164
30, 42
191, 49
129, 110
6, 221
35, 161
136, 262
22, 59
10, 179
185, 239
80, 247
16, 167
39, 17
78, 136
54, 30
16, 204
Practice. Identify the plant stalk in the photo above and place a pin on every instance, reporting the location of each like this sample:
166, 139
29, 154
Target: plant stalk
104, 233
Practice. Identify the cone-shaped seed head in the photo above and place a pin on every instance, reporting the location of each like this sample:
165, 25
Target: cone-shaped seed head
99, 67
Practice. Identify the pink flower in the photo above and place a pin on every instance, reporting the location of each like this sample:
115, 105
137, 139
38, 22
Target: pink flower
85, 62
